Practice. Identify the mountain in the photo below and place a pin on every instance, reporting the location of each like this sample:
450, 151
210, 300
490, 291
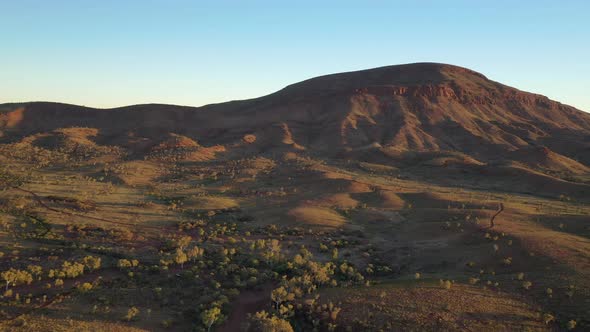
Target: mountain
422, 107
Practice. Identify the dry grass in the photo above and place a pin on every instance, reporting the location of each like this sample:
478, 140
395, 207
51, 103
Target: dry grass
28, 323
210, 203
135, 173
317, 216
421, 306
377, 168
341, 201
391, 200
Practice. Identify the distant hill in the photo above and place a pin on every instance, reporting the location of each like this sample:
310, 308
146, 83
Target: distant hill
425, 107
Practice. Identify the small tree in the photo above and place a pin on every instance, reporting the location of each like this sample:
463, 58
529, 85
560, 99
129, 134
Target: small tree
335, 254
527, 284
263, 322
548, 318
183, 241
131, 313
446, 284
92, 263
209, 317
15, 277
35, 270
85, 287
123, 263
272, 252
571, 324
180, 257
549, 292
280, 295
195, 252
333, 311
9, 277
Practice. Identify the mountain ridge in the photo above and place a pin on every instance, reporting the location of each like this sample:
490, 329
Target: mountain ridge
412, 107
394, 68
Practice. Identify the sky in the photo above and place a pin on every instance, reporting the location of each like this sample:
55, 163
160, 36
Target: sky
108, 53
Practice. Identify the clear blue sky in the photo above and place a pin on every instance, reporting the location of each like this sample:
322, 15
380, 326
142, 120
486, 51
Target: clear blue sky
108, 53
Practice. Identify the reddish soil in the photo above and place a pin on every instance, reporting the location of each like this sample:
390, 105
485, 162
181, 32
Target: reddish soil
248, 302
